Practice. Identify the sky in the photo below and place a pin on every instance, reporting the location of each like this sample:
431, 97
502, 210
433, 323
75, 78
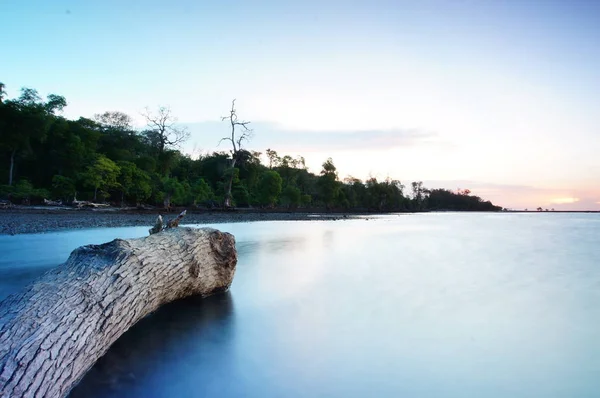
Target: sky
500, 97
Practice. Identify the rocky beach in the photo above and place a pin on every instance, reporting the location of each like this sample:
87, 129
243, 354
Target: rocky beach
40, 220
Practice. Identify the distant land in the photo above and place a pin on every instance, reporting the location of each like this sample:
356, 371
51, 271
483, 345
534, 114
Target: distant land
46, 157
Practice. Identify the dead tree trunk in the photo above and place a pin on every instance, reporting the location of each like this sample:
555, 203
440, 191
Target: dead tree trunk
228, 195
54, 331
243, 134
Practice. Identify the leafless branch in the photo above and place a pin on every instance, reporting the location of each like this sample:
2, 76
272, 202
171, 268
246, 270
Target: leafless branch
244, 134
163, 124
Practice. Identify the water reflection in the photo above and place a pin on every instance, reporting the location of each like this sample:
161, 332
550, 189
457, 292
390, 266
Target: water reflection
328, 238
428, 305
272, 246
12, 280
26, 257
187, 337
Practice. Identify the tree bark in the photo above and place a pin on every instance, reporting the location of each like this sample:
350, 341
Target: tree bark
54, 331
12, 167
228, 195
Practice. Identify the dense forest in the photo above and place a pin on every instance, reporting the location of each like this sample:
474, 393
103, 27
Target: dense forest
104, 159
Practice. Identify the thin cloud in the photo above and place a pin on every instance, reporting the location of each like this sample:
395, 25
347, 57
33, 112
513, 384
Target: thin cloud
368, 140
270, 135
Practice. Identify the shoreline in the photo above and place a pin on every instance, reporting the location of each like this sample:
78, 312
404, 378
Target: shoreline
41, 220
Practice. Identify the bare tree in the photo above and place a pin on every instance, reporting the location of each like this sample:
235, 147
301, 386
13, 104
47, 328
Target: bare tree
244, 134
163, 131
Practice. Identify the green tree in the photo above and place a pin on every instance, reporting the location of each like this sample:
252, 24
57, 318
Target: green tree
306, 200
146, 163
202, 192
329, 185
250, 170
291, 197
418, 194
141, 189
269, 187
118, 140
355, 192
24, 191
65, 151
101, 175
386, 195
241, 195
443, 199
133, 182
212, 168
24, 120
114, 120
63, 188
173, 192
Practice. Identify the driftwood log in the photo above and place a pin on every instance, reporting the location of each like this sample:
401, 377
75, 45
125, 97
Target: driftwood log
54, 331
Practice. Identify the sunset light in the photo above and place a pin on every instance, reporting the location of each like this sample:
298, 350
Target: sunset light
561, 201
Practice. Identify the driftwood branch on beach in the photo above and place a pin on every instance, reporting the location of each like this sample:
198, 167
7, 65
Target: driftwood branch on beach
55, 329
174, 223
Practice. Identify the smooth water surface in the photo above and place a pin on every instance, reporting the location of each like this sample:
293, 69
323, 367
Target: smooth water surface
427, 305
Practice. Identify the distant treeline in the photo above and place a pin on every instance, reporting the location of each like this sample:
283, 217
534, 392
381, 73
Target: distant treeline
46, 156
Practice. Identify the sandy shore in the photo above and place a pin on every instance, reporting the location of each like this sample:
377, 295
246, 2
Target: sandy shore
27, 221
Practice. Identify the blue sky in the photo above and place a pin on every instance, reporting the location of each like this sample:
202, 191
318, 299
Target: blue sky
500, 97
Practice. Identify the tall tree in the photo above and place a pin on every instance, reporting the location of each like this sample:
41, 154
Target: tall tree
114, 119
102, 174
173, 191
418, 194
328, 183
133, 182
243, 134
201, 192
291, 197
25, 119
273, 158
269, 188
163, 131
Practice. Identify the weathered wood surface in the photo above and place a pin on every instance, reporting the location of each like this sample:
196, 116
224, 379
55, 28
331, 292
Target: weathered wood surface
54, 331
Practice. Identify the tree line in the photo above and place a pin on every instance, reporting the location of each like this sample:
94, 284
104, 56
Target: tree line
43, 155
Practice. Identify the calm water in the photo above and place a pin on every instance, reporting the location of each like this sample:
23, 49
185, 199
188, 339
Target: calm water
431, 305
